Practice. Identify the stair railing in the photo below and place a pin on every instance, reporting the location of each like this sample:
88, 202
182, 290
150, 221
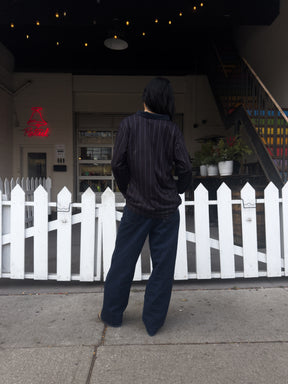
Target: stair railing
241, 86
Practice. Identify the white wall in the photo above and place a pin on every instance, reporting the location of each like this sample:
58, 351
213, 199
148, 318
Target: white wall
6, 105
265, 48
52, 92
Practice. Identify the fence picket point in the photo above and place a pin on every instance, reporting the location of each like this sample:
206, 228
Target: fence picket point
17, 257
249, 232
64, 235
98, 264
41, 234
202, 233
225, 225
181, 266
108, 217
87, 244
272, 230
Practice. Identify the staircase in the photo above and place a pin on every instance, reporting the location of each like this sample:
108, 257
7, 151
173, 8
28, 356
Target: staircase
243, 99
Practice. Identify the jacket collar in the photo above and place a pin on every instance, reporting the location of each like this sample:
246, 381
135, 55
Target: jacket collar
155, 116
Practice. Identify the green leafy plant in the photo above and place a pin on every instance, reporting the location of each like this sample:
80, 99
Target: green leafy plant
206, 155
232, 148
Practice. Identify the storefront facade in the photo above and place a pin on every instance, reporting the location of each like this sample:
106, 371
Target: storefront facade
64, 126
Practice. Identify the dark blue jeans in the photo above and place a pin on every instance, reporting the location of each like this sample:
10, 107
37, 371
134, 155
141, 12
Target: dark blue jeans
132, 233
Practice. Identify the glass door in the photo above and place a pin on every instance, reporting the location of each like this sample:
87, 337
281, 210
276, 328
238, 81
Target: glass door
95, 148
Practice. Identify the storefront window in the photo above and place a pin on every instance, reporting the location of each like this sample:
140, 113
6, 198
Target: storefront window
95, 153
95, 169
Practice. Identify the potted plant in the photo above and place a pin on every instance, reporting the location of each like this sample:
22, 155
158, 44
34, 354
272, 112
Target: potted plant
203, 158
211, 158
229, 150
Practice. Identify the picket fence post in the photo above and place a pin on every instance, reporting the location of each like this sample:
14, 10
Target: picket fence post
64, 235
181, 265
17, 257
108, 218
87, 243
225, 225
40, 234
272, 230
202, 233
249, 231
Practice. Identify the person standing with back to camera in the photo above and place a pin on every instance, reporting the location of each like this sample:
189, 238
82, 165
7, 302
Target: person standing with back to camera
149, 145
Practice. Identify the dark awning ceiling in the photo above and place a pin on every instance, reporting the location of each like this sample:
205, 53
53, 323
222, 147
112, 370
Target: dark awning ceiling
74, 41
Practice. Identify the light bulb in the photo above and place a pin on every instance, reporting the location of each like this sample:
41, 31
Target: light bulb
12, 25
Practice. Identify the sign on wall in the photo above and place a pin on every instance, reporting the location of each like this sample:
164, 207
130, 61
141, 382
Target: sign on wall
36, 125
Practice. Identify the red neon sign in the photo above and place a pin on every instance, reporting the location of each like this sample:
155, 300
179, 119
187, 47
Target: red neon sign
36, 125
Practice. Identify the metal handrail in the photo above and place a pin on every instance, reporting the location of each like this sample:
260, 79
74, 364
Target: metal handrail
244, 87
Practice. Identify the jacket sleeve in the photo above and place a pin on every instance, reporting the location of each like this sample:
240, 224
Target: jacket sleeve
119, 161
183, 167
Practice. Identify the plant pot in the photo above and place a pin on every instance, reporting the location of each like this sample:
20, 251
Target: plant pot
203, 170
212, 170
225, 168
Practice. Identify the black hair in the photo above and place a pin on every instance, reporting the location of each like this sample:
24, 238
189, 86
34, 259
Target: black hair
159, 97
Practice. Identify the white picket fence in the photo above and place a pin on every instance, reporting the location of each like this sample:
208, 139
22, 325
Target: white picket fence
29, 185
201, 254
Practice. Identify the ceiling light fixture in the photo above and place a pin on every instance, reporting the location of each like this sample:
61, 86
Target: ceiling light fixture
115, 39
116, 43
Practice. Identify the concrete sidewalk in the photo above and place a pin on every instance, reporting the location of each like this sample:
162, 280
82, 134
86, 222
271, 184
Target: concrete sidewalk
216, 332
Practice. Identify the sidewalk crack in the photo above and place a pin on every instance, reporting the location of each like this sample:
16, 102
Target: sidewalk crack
94, 356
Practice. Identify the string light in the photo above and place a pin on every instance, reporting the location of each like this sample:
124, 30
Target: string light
86, 44
169, 22
57, 15
12, 25
38, 23
201, 4
27, 36
127, 23
143, 33
180, 14
64, 13
156, 21
57, 43
194, 8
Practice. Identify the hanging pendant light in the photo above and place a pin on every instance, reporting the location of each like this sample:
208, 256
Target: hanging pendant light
116, 43
115, 39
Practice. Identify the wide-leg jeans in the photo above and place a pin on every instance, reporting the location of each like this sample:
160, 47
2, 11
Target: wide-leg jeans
163, 239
